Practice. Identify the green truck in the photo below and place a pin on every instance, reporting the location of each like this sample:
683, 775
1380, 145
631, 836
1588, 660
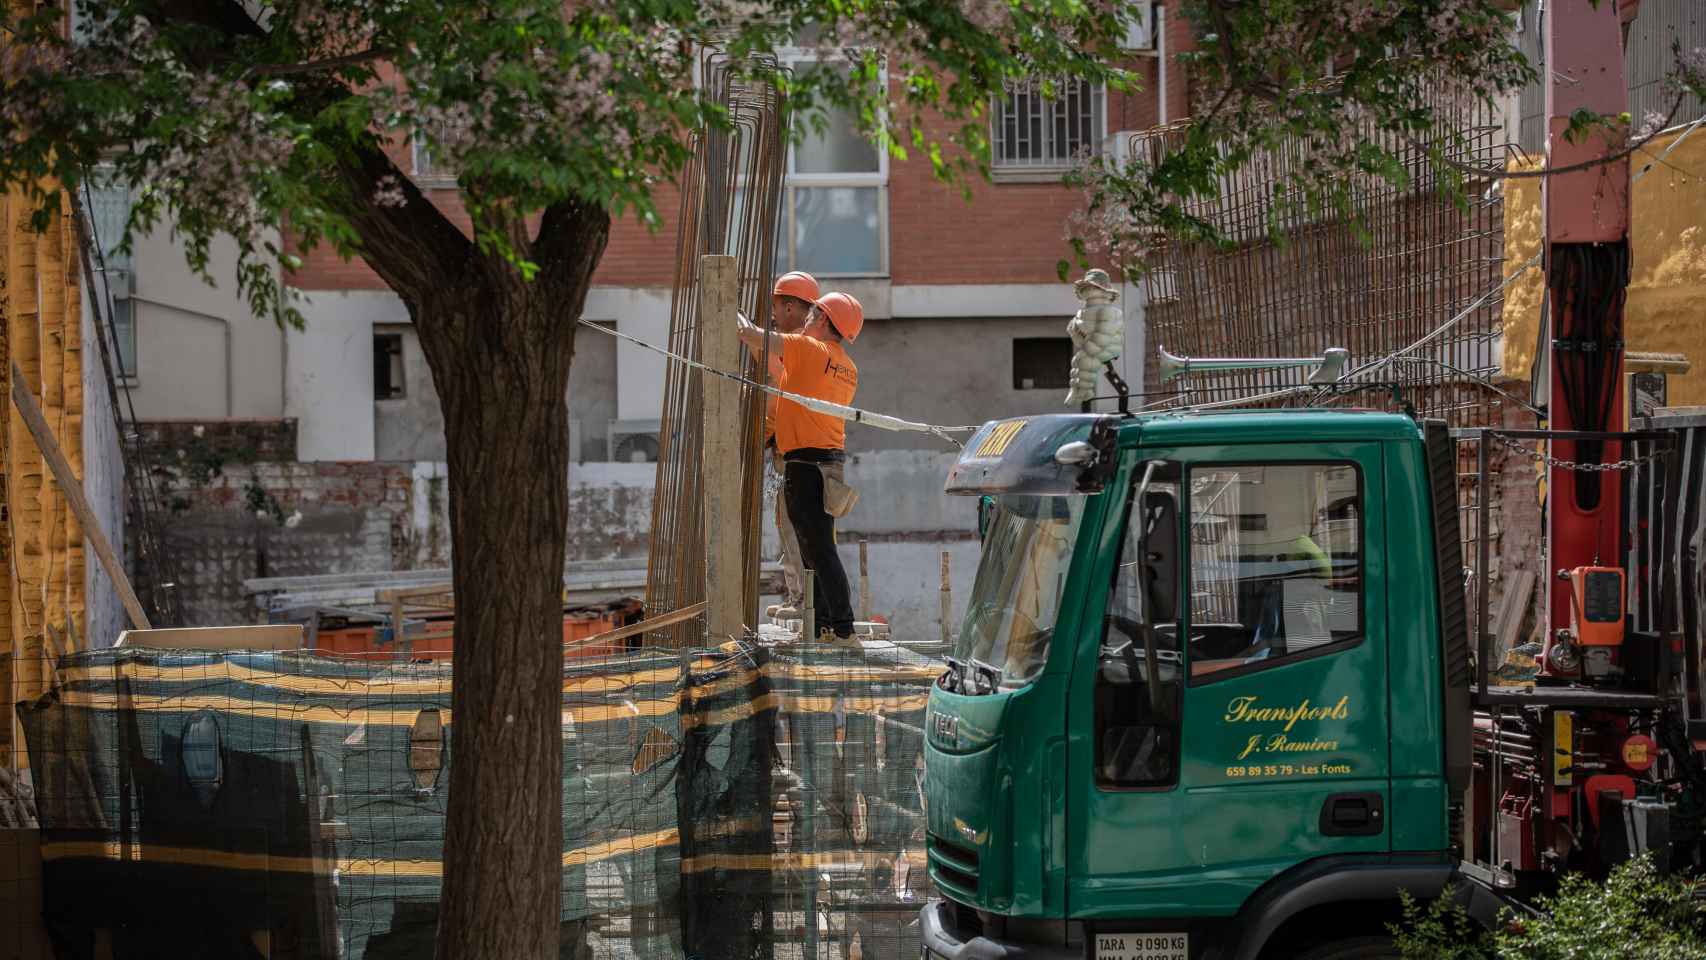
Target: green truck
1214, 697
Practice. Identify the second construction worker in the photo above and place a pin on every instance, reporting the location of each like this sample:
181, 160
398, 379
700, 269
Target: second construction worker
813, 445
791, 300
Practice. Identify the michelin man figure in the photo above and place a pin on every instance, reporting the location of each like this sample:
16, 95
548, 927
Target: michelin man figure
1097, 331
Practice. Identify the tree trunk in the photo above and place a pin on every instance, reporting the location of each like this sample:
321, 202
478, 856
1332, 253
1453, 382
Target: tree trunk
500, 351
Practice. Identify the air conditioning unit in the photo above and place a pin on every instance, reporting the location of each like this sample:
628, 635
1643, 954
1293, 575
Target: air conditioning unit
1118, 147
633, 441
1140, 32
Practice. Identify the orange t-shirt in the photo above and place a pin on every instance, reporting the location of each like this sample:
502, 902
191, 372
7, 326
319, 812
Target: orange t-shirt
823, 371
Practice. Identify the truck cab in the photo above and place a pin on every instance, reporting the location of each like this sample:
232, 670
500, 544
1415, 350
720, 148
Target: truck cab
1210, 689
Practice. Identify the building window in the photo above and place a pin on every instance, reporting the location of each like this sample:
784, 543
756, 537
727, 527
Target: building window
1030, 131
428, 169
109, 213
1042, 363
388, 366
834, 218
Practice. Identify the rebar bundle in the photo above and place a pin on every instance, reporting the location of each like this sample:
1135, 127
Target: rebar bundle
1410, 283
730, 199
1409, 261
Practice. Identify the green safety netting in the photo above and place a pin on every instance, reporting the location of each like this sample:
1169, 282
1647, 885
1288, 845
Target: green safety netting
728, 803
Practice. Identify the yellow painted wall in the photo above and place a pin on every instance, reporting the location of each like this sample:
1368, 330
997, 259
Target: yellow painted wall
42, 594
43, 602
1666, 312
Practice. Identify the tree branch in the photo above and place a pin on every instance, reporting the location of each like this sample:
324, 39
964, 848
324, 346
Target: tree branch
1496, 174
412, 247
328, 63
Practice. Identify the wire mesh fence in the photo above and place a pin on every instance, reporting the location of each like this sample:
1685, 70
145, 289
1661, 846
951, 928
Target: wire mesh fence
745, 801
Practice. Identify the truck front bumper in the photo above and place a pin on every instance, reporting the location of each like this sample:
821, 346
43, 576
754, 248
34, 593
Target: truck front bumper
941, 942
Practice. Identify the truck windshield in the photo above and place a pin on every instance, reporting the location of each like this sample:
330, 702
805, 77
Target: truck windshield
1010, 615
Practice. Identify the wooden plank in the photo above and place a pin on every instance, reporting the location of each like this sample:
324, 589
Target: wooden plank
25, 404
266, 636
644, 626
720, 452
25, 469
1512, 609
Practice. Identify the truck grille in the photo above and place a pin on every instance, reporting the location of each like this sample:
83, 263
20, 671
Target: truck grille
952, 866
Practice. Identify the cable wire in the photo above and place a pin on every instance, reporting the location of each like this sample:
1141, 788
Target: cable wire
882, 421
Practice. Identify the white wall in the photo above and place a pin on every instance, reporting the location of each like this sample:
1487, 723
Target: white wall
641, 313
200, 351
328, 367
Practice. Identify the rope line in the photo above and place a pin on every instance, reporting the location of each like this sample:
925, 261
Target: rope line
881, 421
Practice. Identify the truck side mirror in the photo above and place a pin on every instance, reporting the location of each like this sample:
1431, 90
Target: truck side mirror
1161, 554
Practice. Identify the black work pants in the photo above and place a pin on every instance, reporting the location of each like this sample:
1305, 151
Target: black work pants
803, 486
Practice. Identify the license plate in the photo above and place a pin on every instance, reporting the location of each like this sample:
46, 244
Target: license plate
1143, 946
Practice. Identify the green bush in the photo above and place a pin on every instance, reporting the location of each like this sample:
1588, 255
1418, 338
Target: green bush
1439, 930
1635, 915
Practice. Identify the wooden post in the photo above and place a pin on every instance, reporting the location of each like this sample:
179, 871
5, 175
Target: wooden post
947, 602
864, 582
720, 451
25, 403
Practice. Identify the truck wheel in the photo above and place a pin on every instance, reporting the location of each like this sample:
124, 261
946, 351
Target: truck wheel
1357, 948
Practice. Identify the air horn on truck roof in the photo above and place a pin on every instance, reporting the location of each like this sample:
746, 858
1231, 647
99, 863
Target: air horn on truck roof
1329, 367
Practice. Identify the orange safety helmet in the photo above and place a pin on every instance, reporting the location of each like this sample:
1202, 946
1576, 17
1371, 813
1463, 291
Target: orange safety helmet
800, 286
845, 314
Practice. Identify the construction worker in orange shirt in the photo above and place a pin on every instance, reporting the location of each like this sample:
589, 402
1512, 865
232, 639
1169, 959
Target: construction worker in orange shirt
791, 300
813, 445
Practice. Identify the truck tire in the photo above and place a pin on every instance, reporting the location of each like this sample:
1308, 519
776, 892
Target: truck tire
1356, 948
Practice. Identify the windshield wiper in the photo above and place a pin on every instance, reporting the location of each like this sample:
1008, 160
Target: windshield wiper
994, 676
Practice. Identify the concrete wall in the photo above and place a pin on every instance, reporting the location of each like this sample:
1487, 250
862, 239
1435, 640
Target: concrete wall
908, 522
200, 351
950, 372
642, 313
411, 427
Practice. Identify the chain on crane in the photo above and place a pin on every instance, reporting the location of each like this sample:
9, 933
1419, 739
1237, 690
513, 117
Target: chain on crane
1614, 466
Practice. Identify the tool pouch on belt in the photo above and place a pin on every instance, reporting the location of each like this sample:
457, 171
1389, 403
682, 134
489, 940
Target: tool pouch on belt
838, 497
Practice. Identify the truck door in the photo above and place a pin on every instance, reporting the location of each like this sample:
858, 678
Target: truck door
1201, 769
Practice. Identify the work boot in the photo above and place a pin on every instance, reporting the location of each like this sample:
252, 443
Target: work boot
829, 638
